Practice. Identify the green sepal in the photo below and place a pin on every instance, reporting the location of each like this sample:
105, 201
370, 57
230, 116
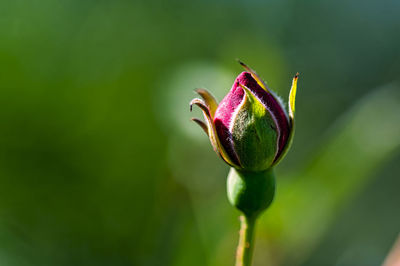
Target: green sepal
292, 97
251, 192
254, 134
291, 104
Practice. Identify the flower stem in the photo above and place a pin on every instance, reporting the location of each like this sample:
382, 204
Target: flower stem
244, 251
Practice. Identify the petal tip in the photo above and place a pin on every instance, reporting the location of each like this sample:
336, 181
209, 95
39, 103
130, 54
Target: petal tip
254, 75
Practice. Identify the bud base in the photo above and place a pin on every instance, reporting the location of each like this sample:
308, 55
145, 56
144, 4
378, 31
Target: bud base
251, 192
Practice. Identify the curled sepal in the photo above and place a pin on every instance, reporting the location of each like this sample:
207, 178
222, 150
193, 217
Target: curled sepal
211, 132
255, 76
209, 99
201, 104
201, 124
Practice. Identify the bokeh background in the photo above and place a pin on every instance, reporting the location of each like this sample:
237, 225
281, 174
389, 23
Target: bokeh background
100, 164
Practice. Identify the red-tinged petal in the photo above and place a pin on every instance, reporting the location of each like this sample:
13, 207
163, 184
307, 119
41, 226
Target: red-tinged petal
223, 119
215, 142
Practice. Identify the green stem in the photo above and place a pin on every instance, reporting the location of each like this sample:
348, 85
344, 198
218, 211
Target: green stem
244, 251
251, 193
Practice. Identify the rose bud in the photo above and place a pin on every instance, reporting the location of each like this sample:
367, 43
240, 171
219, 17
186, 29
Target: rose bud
250, 128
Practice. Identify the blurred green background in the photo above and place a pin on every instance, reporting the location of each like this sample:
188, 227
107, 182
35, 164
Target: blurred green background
100, 164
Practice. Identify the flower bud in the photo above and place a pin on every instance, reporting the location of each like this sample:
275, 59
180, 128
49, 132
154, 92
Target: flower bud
250, 128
